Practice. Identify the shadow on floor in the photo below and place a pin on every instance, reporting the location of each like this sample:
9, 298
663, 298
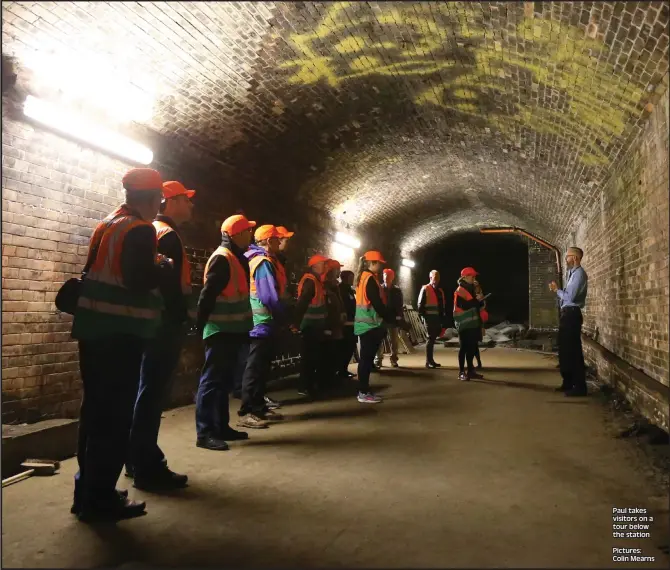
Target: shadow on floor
510, 384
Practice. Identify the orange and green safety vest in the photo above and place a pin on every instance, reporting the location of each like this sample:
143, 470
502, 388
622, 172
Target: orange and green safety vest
106, 306
232, 310
366, 317
315, 316
260, 312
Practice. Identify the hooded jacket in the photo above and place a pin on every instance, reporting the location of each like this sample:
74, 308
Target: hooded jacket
267, 290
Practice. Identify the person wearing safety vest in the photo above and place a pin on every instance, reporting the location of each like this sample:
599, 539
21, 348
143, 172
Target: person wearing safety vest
267, 289
467, 305
432, 310
146, 461
309, 318
336, 316
394, 302
224, 319
483, 313
370, 320
118, 312
349, 342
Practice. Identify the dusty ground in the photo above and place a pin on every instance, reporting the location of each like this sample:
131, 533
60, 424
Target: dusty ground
501, 472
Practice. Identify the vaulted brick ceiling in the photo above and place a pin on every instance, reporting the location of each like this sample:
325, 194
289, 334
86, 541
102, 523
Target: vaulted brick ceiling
413, 119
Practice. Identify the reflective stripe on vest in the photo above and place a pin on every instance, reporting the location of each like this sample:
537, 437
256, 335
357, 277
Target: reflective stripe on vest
366, 317
465, 319
163, 229
432, 303
315, 316
106, 306
232, 311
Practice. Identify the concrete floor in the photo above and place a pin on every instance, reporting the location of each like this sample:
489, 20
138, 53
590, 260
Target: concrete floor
502, 472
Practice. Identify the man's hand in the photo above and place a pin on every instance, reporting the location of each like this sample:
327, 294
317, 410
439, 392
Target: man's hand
480, 297
553, 287
294, 329
161, 259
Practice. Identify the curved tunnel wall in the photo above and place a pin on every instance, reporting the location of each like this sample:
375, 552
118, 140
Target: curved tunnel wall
399, 122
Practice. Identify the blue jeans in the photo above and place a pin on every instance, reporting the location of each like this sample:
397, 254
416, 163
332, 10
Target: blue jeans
212, 413
159, 362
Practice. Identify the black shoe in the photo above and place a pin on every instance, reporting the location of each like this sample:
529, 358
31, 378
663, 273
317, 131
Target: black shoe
119, 509
233, 435
271, 404
479, 367
435, 364
213, 443
432, 365
76, 507
575, 393
161, 480
394, 365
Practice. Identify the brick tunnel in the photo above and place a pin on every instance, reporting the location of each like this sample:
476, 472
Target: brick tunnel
405, 125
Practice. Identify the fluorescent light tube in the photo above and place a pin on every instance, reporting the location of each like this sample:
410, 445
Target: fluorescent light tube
69, 124
349, 241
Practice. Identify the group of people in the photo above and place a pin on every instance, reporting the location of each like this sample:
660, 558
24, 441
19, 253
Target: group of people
131, 317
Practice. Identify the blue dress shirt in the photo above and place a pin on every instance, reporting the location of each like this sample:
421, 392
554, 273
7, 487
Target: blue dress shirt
574, 294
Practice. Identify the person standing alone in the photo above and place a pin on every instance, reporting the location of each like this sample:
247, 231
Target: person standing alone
432, 310
571, 301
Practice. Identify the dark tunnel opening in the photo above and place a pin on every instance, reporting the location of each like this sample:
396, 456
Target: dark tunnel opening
502, 262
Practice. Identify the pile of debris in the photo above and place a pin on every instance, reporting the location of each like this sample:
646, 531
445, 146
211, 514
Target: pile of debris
503, 334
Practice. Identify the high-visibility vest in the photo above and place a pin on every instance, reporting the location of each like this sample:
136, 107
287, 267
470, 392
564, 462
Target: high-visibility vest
106, 306
315, 316
282, 279
232, 311
432, 304
366, 317
260, 311
465, 319
163, 229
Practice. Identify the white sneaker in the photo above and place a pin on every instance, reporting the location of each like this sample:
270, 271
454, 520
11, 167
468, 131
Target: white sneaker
368, 398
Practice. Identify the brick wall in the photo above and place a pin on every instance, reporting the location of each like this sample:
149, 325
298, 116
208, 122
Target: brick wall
625, 240
54, 192
542, 270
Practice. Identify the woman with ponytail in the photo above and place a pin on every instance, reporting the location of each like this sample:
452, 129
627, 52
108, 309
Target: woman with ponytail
371, 313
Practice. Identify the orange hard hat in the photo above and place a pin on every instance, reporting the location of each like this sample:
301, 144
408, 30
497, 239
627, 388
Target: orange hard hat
284, 233
333, 263
374, 256
318, 258
236, 224
142, 179
265, 232
469, 272
388, 271
173, 188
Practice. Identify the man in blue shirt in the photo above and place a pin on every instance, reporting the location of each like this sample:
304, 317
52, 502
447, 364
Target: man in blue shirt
571, 301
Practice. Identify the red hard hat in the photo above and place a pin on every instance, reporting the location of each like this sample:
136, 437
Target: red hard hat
469, 272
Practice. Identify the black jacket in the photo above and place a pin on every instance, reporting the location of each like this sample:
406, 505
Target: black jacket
473, 303
170, 245
394, 300
139, 269
348, 297
216, 280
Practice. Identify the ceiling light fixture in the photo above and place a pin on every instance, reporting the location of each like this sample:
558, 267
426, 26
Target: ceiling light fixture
408, 263
69, 124
347, 240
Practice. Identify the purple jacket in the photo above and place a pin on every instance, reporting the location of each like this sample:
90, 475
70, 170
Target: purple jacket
267, 291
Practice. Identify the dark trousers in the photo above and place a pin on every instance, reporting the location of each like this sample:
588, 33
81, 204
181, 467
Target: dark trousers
256, 375
347, 346
311, 360
159, 362
468, 338
239, 371
478, 356
370, 342
570, 355
110, 372
212, 413
433, 333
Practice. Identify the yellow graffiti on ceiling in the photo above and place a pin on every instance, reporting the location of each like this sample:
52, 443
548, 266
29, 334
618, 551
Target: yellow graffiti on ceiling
557, 56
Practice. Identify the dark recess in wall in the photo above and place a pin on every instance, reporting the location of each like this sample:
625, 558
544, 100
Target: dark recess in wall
502, 261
